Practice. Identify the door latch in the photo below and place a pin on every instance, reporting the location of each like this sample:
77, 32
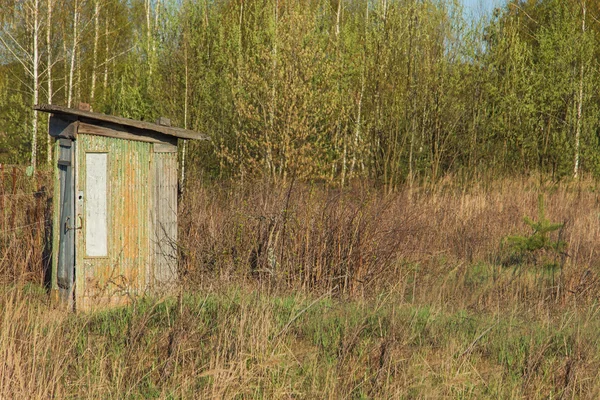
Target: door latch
73, 228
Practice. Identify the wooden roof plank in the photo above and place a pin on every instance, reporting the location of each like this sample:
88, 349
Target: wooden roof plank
90, 116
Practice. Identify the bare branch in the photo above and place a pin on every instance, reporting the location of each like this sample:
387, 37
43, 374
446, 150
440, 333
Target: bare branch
15, 55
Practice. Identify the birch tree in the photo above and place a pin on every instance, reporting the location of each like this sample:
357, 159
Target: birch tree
95, 49
580, 97
49, 66
73, 51
36, 87
27, 55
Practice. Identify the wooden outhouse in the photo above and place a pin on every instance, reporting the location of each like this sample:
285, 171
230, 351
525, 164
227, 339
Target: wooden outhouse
115, 207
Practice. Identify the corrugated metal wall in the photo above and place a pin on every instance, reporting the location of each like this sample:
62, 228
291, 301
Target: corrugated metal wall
165, 221
114, 279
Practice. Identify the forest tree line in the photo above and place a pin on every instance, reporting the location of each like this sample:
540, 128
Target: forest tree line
393, 91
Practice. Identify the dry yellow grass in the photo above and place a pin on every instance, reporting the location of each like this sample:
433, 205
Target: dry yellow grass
357, 239
307, 292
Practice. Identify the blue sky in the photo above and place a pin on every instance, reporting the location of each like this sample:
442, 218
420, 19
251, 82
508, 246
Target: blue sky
476, 8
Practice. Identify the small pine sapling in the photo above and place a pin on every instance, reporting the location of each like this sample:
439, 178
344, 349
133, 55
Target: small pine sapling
524, 248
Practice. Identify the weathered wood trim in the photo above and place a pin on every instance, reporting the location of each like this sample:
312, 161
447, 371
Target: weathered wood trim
165, 148
56, 202
114, 131
77, 238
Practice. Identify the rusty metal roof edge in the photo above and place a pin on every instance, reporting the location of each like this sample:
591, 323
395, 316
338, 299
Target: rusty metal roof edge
165, 130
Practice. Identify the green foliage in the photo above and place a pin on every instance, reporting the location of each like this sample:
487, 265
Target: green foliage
393, 91
540, 238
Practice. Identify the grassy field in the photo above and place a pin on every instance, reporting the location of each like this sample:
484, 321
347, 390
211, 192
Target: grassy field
242, 343
307, 292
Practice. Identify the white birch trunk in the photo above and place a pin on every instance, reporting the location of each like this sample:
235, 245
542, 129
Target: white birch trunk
65, 69
35, 60
268, 144
360, 101
156, 18
338, 18
185, 121
78, 74
49, 59
148, 7
95, 50
357, 128
105, 82
73, 53
579, 104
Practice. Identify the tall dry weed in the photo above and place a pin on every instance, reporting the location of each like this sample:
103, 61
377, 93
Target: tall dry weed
25, 213
357, 239
310, 292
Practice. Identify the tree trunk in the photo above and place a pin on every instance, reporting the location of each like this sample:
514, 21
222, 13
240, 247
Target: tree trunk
78, 85
156, 20
35, 59
269, 154
580, 101
341, 132
50, 88
185, 119
95, 50
409, 109
65, 69
148, 7
73, 54
357, 128
338, 18
106, 60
